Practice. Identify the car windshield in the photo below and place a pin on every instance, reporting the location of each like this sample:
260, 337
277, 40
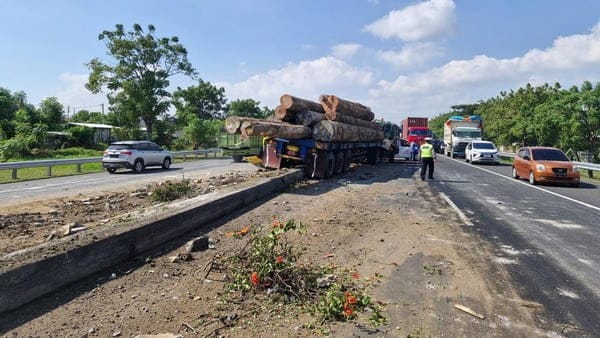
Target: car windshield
548, 155
483, 146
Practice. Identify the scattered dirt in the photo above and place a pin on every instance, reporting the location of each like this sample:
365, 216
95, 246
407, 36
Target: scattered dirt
376, 220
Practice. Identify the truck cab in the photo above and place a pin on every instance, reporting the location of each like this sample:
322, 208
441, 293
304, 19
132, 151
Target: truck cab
458, 132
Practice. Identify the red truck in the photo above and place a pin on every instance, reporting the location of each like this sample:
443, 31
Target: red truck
415, 129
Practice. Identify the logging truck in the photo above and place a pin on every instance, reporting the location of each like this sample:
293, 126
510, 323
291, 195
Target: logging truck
324, 137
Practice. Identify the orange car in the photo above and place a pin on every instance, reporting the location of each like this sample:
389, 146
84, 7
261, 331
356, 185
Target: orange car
544, 164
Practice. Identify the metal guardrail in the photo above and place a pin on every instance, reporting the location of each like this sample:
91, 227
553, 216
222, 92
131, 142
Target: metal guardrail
14, 166
580, 165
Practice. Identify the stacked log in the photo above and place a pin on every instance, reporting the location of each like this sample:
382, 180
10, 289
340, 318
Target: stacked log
333, 105
331, 131
333, 120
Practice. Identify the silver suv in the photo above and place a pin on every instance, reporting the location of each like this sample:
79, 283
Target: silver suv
136, 155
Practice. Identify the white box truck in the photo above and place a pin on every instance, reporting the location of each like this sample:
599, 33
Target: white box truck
459, 131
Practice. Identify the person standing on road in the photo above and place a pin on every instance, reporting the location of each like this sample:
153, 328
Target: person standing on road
414, 150
427, 156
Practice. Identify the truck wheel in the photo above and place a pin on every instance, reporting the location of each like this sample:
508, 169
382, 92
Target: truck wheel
347, 161
339, 162
237, 158
111, 170
330, 165
373, 156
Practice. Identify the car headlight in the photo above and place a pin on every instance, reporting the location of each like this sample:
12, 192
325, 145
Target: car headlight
574, 167
540, 167
474, 153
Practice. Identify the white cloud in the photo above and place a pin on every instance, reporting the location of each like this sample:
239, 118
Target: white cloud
345, 50
425, 20
73, 93
570, 60
307, 79
411, 54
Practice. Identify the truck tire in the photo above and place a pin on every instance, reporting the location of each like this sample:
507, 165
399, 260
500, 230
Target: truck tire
237, 158
330, 165
373, 156
347, 161
339, 162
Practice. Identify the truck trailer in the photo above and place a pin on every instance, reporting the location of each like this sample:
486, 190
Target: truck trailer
459, 131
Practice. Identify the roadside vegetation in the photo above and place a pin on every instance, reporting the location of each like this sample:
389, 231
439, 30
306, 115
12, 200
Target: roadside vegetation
546, 115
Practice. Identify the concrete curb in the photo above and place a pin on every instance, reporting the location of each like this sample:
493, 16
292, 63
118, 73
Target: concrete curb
27, 282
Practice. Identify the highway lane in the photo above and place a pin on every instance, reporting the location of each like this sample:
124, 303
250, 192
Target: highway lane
547, 237
70, 185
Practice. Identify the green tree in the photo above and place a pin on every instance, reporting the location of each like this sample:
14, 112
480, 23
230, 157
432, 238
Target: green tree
51, 113
8, 107
139, 78
246, 108
204, 100
84, 116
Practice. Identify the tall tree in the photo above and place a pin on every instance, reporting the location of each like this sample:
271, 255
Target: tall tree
138, 79
205, 100
52, 114
8, 106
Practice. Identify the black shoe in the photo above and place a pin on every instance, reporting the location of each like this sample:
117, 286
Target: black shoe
431, 178
422, 178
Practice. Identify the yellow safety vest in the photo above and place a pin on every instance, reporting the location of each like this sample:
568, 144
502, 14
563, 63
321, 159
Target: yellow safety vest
427, 151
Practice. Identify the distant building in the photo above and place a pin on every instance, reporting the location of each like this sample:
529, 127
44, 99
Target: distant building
102, 132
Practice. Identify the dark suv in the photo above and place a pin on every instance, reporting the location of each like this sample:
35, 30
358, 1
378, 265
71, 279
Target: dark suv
136, 155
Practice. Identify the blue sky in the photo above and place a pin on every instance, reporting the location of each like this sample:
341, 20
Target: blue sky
401, 58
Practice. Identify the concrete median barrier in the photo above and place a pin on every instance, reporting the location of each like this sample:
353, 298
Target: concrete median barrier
103, 248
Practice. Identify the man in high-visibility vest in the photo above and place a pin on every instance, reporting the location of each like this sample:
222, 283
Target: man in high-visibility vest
427, 156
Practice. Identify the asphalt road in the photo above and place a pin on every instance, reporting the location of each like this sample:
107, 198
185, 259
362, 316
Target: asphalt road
548, 237
60, 186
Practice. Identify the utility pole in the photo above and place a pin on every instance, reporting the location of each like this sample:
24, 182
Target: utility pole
102, 105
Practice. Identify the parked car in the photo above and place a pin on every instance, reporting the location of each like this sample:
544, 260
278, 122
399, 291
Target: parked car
482, 152
403, 149
136, 155
544, 164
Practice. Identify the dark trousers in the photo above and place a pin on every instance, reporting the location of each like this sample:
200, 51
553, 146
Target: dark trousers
426, 162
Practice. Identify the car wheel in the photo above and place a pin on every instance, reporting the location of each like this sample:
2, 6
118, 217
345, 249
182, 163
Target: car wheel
111, 170
166, 163
138, 166
466, 159
531, 178
514, 173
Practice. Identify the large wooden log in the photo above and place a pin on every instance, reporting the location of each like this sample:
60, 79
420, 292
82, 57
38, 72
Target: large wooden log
283, 114
308, 118
334, 105
274, 129
293, 103
330, 131
352, 120
233, 123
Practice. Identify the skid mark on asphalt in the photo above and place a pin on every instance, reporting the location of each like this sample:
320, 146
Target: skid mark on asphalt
560, 224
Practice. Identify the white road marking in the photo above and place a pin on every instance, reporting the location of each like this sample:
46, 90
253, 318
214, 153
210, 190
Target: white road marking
560, 224
568, 293
456, 209
530, 186
504, 260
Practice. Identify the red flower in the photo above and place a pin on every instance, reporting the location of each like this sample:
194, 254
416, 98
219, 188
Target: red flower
355, 275
254, 279
348, 311
279, 259
350, 298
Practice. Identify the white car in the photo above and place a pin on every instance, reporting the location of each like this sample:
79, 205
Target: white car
403, 149
482, 152
136, 155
